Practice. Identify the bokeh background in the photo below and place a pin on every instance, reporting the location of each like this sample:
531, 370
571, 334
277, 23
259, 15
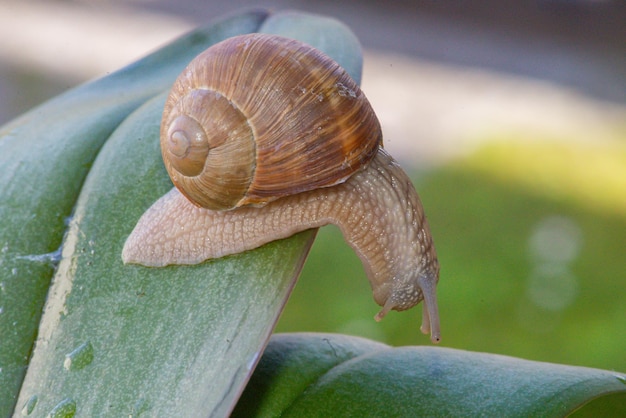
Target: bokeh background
510, 117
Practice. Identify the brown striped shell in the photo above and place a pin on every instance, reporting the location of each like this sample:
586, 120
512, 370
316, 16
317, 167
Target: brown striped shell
258, 117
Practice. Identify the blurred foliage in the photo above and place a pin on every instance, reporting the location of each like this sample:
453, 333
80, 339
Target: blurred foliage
590, 174
532, 259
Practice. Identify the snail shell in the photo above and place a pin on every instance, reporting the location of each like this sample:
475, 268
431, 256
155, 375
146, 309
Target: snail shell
258, 117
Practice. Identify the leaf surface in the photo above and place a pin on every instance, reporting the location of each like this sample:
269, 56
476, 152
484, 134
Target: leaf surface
321, 375
120, 340
45, 156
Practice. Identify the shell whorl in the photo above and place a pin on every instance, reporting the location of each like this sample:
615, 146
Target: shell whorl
258, 117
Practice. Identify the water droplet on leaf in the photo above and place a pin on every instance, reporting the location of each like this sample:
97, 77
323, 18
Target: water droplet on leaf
80, 357
30, 405
64, 409
139, 407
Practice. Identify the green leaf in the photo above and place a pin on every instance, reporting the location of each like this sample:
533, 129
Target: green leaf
173, 339
45, 156
118, 339
321, 375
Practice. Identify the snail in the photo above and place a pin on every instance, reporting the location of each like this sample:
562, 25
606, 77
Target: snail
265, 136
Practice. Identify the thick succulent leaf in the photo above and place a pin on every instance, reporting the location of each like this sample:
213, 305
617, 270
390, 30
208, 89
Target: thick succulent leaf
321, 375
44, 158
172, 339
176, 341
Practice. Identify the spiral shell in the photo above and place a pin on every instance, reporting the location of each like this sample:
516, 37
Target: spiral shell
258, 117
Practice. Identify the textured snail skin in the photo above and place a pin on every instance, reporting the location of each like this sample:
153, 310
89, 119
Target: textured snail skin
377, 210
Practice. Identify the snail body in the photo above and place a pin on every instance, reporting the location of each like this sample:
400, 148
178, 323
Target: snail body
305, 151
